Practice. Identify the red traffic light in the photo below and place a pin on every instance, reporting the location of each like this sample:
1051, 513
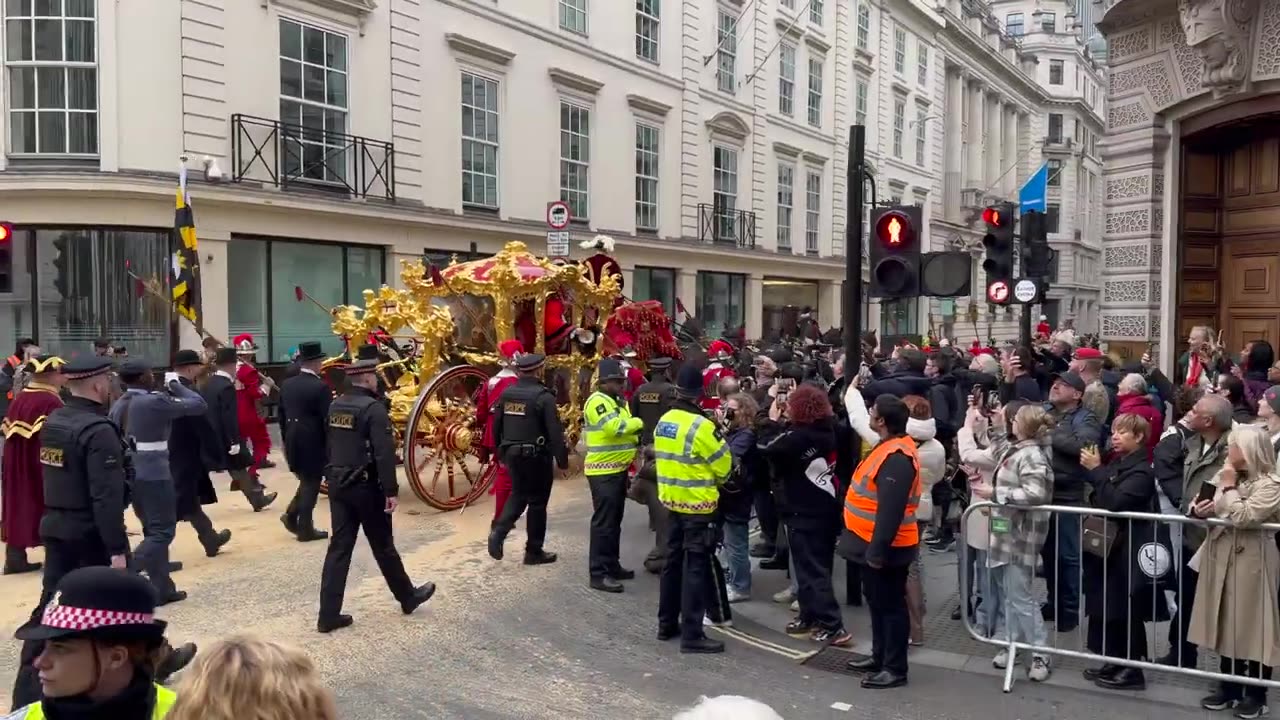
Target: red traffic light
993, 216
895, 231
998, 292
6, 232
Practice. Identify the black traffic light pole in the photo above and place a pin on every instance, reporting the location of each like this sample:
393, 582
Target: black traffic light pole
853, 241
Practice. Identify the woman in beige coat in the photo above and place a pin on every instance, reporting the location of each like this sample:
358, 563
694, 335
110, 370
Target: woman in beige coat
1235, 613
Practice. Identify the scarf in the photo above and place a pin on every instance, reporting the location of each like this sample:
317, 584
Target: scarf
1194, 370
134, 703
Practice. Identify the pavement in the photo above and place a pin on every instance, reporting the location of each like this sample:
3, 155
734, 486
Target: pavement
505, 641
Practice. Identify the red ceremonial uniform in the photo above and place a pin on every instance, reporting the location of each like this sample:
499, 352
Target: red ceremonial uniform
249, 390
486, 399
635, 378
21, 477
711, 378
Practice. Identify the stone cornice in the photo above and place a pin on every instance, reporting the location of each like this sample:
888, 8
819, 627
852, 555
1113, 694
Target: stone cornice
781, 148
648, 105
471, 47
358, 10
573, 82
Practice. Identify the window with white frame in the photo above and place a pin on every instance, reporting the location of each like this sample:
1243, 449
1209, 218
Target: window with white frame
724, 196
899, 121
787, 79
479, 141
864, 26
575, 159
899, 50
313, 102
922, 135
815, 12
1056, 68
647, 23
726, 52
812, 210
815, 92
860, 88
647, 144
573, 16
1055, 127
1013, 26
786, 202
52, 63
1054, 173
1049, 22
922, 65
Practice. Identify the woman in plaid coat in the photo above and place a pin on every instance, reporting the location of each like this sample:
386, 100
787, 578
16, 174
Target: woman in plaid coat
1023, 479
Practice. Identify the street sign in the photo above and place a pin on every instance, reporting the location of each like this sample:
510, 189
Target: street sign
998, 292
1025, 291
558, 215
558, 243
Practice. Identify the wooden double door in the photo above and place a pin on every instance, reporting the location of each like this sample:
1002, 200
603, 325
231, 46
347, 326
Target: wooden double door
1229, 274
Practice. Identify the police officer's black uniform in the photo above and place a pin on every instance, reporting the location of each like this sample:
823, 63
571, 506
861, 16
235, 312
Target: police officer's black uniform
86, 475
648, 403
528, 433
361, 474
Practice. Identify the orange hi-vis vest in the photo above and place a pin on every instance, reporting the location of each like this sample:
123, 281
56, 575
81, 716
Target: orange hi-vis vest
860, 502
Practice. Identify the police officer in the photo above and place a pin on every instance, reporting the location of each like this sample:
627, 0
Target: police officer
529, 436
86, 468
693, 462
612, 436
304, 406
649, 402
145, 417
361, 474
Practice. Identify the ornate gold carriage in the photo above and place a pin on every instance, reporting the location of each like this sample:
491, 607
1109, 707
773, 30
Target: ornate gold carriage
440, 334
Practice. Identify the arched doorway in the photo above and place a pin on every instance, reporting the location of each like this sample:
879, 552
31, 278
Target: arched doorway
1229, 264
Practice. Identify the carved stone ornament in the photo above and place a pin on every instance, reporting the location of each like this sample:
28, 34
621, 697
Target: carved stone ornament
1221, 32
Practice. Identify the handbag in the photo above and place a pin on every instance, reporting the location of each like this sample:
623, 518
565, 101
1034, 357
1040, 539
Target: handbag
1097, 535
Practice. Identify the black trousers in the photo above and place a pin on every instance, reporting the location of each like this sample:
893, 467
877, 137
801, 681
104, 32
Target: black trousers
688, 575
302, 506
767, 514
1244, 668
60, 558
1188, 579
886, 591
531, 480
608, 502
203, 526
812, 560
248, 482
352, 509
1117, 637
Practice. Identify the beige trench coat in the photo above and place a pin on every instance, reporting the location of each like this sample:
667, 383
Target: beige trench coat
1235, 613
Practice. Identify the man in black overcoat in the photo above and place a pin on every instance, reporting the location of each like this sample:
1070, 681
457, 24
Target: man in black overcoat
304, 408
189, 445
230, 451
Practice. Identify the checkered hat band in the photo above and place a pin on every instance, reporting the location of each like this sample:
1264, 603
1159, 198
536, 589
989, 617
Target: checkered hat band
73, 618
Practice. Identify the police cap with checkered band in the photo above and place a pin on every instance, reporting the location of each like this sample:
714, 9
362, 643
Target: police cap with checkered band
98, 602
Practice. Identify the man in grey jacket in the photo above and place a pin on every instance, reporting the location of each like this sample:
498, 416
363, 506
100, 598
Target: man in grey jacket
145, 417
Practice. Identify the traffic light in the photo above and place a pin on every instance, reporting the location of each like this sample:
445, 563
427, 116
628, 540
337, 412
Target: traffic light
895, 251
1038, 257
6, 257
998, 242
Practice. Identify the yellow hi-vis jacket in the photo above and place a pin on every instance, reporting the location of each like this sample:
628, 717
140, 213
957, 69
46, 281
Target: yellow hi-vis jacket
693, 461
612, 435
165, 698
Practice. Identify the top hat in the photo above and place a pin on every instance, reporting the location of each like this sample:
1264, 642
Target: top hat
183, 358
367, 352
310, 351
95, 602
225, 355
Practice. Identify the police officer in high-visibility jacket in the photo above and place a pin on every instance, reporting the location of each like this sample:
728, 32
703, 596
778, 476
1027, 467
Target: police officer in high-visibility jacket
882, 536
693, 462
612, 437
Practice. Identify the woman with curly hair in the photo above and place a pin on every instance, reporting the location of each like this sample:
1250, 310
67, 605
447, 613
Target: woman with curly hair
244, 678
799, 441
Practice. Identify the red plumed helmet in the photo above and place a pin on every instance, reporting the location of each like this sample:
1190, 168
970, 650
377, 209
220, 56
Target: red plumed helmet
720, 349
508, 349
243, 343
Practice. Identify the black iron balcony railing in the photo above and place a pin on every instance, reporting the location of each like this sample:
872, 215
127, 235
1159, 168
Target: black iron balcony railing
722, 226
288, 155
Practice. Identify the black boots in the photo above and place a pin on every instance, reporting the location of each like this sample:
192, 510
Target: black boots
15, 561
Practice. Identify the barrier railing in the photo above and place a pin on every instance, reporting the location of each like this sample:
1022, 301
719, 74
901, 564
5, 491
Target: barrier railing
1159, 560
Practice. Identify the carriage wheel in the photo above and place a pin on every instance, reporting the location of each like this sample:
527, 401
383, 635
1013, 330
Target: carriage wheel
442, 443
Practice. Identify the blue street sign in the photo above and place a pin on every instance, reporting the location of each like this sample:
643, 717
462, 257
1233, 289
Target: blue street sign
1033, 194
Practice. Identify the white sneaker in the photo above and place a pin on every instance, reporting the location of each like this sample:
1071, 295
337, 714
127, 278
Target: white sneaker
1001, 660
737, 597
795, 606
784, 596
707, 621
1039, 670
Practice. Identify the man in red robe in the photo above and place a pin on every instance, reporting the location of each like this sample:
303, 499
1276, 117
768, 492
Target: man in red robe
485, 398
720, 353
22, 494
556, 328
251, 388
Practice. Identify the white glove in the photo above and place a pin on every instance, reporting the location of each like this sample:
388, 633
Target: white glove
234, 450
171, 377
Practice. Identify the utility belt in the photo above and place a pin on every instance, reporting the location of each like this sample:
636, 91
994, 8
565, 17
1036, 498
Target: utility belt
339, 477
535, 449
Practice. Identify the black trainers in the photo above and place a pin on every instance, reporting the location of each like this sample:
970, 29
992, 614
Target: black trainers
1250, 708
702, 646
1218, 701
800, 628
606, 584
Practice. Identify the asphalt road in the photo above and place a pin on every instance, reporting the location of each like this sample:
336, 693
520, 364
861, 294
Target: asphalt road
503, 641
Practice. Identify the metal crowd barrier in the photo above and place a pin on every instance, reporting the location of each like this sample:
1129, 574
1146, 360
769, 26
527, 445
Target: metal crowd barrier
1173, 559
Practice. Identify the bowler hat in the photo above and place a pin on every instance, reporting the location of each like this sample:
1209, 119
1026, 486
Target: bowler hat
611, 369
689, 381
98, 601
225, 356
183, 358
530, 362
310, 351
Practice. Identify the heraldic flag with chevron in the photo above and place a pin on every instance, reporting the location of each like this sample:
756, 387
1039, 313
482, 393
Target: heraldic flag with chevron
186, 258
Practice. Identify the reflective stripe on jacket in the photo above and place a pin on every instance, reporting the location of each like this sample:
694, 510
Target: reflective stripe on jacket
612, 435
861, 501
692, 462
165, 698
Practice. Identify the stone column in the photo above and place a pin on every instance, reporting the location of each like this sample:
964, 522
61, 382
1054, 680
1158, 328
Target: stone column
991, 144
954, 139
1012, 160
687, 289
977, 105
830, 311
754, 310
